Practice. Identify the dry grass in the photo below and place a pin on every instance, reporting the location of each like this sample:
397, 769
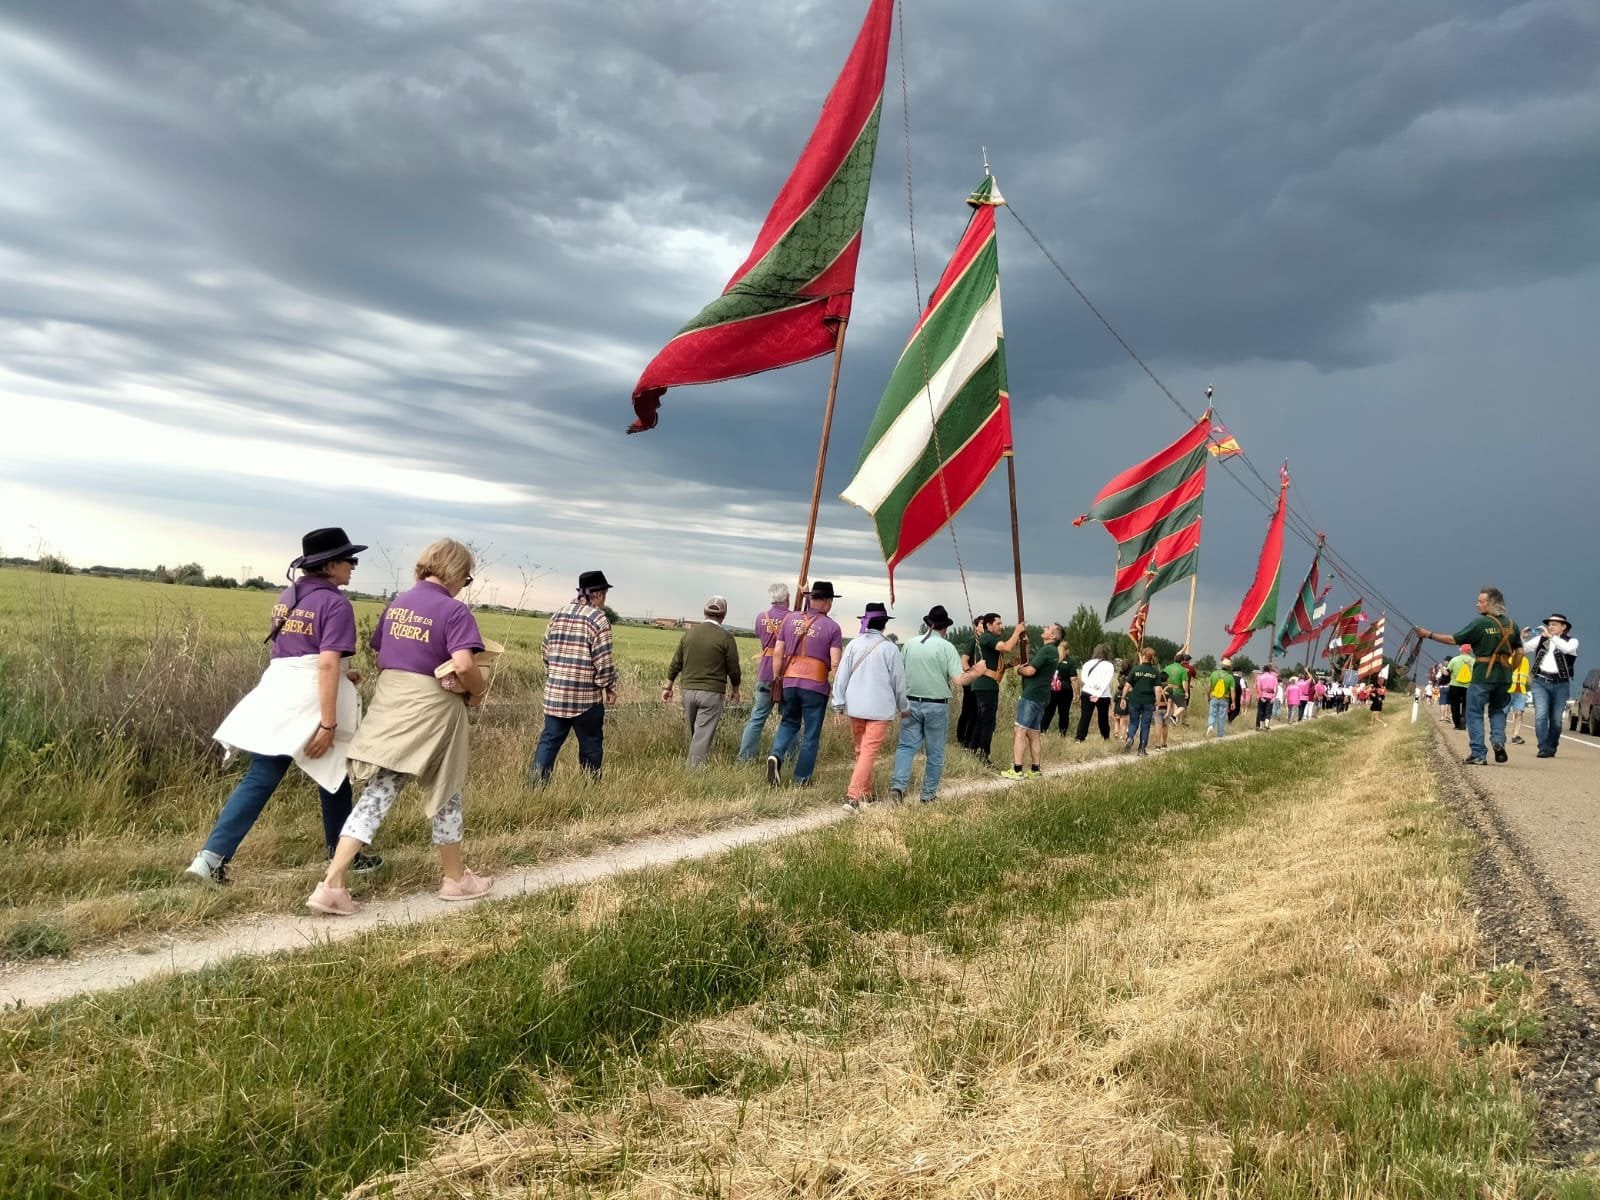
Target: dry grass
1324, 941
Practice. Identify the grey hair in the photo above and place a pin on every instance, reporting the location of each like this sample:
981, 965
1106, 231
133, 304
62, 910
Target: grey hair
1497, 601
778, 593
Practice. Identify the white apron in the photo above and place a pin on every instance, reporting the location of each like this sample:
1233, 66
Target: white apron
280, 714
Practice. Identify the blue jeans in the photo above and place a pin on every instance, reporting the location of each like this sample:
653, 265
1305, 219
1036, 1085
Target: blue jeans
1549, 709
927, 728
244, 804
1217, 716
801, 706
1140, 714
1494, 697
760, 710
589, 725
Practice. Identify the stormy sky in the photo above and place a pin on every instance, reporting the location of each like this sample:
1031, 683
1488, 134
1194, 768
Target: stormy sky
395, 265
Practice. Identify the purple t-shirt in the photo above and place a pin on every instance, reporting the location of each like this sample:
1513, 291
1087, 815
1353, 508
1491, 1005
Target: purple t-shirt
422, 627
821, 639
319, 619
769, 623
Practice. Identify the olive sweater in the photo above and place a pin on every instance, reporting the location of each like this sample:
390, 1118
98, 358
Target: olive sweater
708, 659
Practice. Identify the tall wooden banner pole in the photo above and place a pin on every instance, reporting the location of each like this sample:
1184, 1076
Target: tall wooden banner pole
822, 461
1188, 629
1016, 551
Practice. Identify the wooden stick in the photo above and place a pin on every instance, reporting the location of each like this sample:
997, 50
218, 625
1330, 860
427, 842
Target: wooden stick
1188, 629
822, 460
1016, 551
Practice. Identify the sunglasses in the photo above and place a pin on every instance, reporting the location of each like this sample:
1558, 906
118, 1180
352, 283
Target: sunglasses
468, 583
354, 562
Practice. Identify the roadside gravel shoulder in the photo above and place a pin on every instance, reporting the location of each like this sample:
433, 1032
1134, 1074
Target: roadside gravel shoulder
1536, 898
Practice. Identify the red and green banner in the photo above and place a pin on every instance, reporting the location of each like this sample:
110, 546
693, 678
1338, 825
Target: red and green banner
1300, 625
1153, 512
1259, 610
784, 304
944, 422
1346, 636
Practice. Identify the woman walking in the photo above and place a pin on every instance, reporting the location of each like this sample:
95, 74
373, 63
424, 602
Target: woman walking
1099, 676
416, 728
304, 710
870, 689
1143, 687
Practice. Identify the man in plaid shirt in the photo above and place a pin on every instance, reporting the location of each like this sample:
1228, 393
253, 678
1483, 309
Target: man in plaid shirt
580, 679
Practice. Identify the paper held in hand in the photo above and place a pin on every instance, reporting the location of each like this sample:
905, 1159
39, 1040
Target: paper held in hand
485, 660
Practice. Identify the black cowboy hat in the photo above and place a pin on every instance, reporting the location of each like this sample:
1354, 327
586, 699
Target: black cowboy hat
1557, 617
876, 609
324, 545
937, 618
823, 590
593, 581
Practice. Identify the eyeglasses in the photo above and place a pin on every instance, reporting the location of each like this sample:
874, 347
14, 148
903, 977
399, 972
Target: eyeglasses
468, 583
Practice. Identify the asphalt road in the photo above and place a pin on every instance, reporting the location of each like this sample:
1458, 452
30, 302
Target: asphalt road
1553, 807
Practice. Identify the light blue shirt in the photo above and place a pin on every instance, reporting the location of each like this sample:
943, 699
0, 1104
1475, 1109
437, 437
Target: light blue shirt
871, 682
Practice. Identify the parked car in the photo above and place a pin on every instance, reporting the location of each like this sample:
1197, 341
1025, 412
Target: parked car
1583, 713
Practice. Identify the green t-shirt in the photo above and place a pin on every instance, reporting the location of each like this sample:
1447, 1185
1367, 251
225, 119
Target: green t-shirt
1224, 678
1493, 639
1177, 680
1145, 678
1037, 685
991, 659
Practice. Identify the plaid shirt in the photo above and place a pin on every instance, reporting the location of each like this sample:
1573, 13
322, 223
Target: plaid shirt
577, 660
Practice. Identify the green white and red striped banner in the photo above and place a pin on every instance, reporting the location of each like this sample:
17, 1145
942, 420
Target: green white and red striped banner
1153, 510
1300, 625
784, 304
944, 422
1259, 609
1372, 650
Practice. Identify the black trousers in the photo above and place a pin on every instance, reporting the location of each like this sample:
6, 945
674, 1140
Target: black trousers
1088, 706
1458, 705
1060, 707
964, 721
985, 705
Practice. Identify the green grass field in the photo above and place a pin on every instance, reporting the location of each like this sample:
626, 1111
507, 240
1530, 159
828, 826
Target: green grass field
109, 780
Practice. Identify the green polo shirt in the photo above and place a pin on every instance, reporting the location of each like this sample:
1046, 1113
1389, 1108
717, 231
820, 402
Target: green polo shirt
1494, 637
1037, 686
931, 664
987, 649
1221, 676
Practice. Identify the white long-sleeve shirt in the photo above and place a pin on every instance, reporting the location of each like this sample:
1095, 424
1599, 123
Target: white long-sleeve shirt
1554, 646
871, 680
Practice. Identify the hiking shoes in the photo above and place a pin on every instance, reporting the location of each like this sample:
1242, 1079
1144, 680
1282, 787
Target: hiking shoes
209, 868
336, 902
774, 769
468, 887
1012, 773
1500, 754
1472, 760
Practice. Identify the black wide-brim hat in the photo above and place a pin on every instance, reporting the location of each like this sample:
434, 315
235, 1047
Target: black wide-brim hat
823, 590
325, 545
593, 581
937, 618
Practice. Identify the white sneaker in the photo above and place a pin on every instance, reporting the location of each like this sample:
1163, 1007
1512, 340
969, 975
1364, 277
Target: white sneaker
208, 867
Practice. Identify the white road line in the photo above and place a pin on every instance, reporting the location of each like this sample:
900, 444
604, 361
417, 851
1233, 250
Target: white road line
1572, 737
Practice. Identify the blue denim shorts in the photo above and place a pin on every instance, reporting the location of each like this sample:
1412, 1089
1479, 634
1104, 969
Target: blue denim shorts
1030, 714
1519, 702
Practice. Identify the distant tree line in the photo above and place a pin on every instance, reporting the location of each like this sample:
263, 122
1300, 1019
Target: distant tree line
188, 575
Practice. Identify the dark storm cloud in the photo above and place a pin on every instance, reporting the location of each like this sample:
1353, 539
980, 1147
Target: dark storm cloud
456, 231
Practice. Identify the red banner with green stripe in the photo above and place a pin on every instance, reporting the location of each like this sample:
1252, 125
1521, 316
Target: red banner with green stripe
1259, 609
784, 304
1153, 511
1300, 625
944, 422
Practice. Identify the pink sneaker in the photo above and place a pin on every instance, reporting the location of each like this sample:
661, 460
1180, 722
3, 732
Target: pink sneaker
468, 887
333, 901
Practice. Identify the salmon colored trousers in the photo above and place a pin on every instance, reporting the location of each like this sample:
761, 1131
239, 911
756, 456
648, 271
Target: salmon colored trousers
869, 736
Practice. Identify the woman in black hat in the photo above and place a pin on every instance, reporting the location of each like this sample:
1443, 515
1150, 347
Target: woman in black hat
304, 710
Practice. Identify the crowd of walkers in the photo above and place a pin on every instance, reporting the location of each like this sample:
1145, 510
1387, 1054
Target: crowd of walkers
434, 666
